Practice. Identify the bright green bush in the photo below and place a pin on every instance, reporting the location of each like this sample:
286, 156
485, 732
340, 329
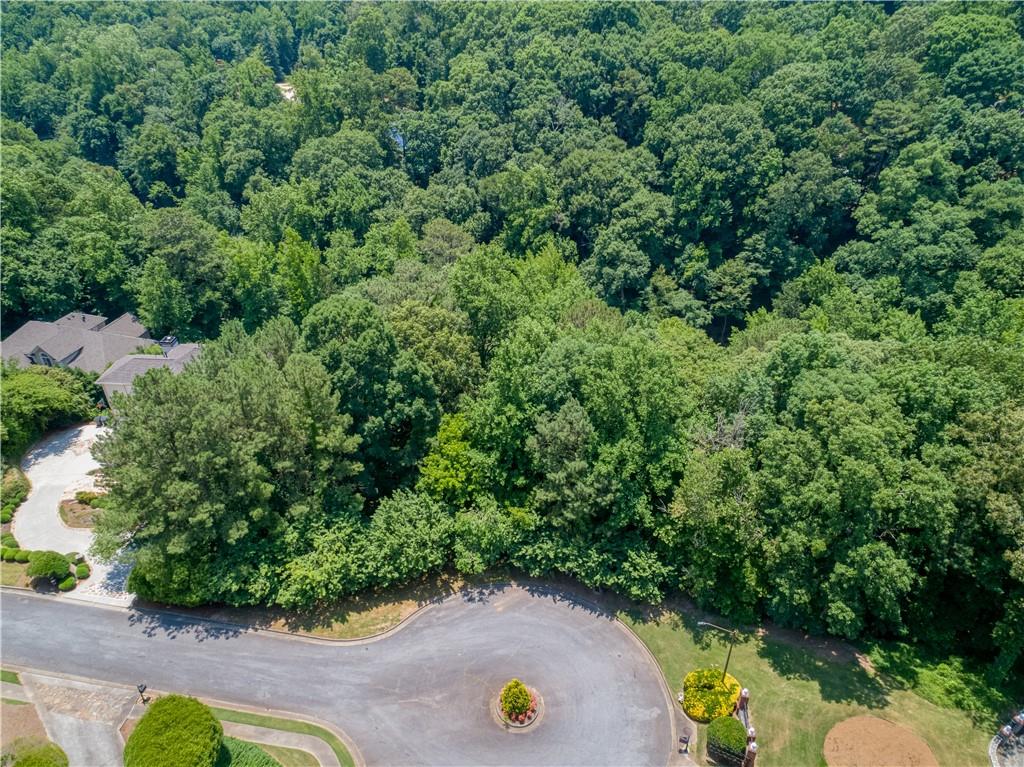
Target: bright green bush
8, 540
68, 584
176, 731
10, 555
22, 555
240, 753
74, 558
6, 515
515, 698
706, 696
47, 755
726, 735
82, 571
47, 564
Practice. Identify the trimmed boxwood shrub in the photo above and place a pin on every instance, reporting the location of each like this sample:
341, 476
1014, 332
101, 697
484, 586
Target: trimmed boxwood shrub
22, 555
241, 753
176, 731
10, 555
6, 515
706, 697
8, 540
82, 571
67, 584
727, 739
74, 558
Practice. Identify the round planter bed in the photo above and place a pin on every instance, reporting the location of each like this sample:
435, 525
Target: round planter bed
514, 724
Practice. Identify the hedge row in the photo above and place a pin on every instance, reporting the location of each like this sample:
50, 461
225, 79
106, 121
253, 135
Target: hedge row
13, 490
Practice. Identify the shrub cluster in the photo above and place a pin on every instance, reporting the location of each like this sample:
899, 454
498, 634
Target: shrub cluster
48, 564
727, 738
707, 697
176, 731
13, 489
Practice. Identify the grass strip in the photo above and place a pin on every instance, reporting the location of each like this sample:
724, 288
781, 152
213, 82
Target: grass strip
288, 725
14, 702
9, 676
290, 757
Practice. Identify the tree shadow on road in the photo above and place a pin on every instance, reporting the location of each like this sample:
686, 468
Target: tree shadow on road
156, 622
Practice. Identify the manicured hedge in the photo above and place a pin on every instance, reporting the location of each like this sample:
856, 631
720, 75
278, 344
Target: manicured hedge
8, 540
727, 736
9, 555
175, 732
13, 490
706, 697
68, 584
82, 571
22, 555
240, 753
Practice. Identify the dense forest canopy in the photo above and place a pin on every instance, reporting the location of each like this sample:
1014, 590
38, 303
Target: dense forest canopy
722, 298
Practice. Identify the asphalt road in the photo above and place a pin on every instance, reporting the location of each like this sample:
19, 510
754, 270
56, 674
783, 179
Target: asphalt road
420, 696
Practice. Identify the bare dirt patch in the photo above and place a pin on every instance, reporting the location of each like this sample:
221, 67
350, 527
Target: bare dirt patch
74, 513
20, 723
867, 741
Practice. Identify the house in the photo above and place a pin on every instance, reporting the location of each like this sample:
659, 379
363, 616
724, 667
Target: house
84, 341
120, 376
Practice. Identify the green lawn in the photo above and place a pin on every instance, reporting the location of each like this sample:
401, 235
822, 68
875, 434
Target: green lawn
798, 695
9, 676
288, 725
291, 757
13, 574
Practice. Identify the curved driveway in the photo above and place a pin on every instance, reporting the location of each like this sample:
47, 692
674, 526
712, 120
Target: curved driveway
419, 696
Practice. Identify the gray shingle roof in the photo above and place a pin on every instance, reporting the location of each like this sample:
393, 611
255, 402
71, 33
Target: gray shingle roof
81, 339
128, 368
127, 325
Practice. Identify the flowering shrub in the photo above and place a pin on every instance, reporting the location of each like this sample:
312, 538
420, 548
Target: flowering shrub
707, 697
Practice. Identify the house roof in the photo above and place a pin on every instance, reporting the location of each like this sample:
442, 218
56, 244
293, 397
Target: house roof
128, 368
82, 320
128, 325
83, 340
